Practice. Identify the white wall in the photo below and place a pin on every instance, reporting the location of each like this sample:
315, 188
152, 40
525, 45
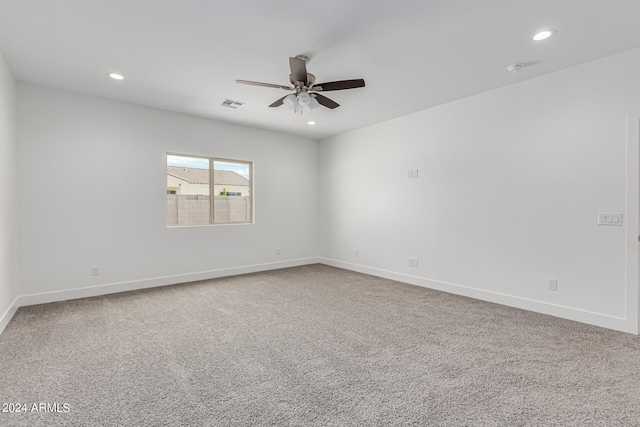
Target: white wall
8, 207
510, 184
73, 151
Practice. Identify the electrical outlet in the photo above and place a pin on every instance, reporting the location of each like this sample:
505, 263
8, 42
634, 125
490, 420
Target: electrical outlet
355, 253
277, 251
415, 262
552, 284
95, 270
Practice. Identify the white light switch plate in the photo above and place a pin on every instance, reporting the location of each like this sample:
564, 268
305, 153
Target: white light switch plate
610, 218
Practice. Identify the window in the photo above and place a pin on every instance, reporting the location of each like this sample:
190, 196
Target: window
207, 190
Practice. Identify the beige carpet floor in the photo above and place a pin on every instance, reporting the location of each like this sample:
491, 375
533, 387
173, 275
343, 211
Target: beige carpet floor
310, 346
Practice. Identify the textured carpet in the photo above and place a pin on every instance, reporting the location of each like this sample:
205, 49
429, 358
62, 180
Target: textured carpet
311, 346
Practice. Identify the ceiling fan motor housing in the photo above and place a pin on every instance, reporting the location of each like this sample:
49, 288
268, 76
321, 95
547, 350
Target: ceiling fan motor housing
311, 80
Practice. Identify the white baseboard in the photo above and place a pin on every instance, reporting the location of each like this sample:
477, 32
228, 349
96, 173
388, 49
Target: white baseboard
597, 319
111, 288
8, 315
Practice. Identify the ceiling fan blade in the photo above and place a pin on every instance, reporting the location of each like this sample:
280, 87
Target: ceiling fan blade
298, 70
323, 100
278, 102
339, 85
247, 82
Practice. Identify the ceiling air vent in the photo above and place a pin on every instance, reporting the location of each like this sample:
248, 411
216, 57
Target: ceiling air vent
232, 104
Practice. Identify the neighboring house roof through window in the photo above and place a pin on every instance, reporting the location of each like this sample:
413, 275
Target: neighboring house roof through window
201, 176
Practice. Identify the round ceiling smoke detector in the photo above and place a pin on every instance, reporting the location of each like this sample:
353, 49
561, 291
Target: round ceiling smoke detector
514, 68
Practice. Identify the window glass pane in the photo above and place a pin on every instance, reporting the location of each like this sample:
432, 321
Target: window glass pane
188, 191
232, 192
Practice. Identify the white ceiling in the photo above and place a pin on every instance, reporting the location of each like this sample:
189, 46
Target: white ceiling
184, 55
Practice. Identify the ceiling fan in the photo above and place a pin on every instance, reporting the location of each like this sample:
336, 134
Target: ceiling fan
304, 87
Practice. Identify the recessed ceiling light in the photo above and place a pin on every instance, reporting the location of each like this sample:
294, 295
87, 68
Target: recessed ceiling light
311, 123
116, 76
543, 35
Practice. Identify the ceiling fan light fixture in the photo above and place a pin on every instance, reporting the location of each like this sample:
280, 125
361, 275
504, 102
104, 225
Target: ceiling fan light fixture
304, 99
290, 101
297, 103
313, 103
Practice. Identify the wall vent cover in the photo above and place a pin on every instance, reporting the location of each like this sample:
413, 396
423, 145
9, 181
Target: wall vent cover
232, 104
